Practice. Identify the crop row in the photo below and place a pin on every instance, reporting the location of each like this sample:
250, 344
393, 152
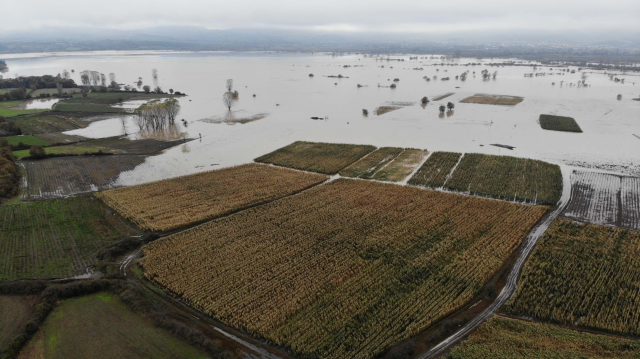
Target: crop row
435, 171
343, 270
368, 166
584, 275
508, 178
173, 203
327, 158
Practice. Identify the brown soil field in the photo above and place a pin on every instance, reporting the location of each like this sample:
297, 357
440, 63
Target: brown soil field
343, 270
65, 176
15, 313
493, 100
386, 109
442, 97
170, 204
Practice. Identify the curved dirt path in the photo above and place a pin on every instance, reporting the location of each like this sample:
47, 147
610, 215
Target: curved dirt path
511, 284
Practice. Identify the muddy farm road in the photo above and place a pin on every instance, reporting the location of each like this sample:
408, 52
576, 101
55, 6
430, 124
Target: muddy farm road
511, 284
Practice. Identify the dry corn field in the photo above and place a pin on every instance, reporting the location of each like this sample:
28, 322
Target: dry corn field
327, 158
344, 270
507, 178
368, 166
583, 275
493, 100
402, 166
602, 198
179, 202
435, 171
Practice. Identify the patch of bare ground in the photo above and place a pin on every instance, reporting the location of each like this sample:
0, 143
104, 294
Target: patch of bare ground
386, 109
442, 97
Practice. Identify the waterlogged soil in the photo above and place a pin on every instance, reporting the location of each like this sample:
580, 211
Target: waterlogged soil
283, 88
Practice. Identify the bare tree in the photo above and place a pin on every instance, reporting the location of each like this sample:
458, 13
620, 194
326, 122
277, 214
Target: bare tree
59, 88
227, 100
66, 75
154, 73
112, 77
229, 85
103, 79
95, 77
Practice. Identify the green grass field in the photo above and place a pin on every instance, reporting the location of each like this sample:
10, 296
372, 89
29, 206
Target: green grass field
583, 275
100, 326
32, 125
433, 173
69, 91
56, 238
85, 106
7, 110
67, 150
507, 338
101, 102
559, 123
27, 140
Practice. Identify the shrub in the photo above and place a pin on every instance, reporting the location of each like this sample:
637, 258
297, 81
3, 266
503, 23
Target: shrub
37, 152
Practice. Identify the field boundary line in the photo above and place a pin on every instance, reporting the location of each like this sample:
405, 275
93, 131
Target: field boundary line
511, 284
413, 173
452, 170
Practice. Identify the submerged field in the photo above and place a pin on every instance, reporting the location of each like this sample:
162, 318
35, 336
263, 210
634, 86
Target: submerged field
64, 176
174, 203
327, 158
583, 275
559, 123
602, 198
345, 269
512, 338
56, 238
493, 100
46, 123
100, 326
508, 178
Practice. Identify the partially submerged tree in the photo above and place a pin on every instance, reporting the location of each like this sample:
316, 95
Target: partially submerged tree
442, 108
227, 100
147, 88
424, 100
450, 106
154, 73
229, 85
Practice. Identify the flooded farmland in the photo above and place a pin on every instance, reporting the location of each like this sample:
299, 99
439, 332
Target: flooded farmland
342, 87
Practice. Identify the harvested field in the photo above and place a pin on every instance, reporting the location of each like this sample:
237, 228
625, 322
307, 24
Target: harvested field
559, 123
509, 338
32, 125
65, 176
327, 158
56, 238
435, 171
442, 97
15, 313
178, 202
507, 178
583, 275
344, 270
402, 166
606, 199
369, 165
386, 109
101, 326
493, 100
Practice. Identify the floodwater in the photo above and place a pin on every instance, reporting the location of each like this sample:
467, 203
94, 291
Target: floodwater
37, 104
284, 90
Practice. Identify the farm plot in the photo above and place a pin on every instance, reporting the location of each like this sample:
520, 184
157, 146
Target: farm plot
60, 138
434, 172
508, 178
123, 144
493, 100
559, 123
32, 125
442, 97
178, 202
369, 165
101, 326
512, 338
56, 238
15, 313
65, 176
402, 166
584, 275
606, 199
327, 158
26, 140
343, 270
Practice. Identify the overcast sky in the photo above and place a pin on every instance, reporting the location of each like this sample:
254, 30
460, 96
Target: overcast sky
405, 16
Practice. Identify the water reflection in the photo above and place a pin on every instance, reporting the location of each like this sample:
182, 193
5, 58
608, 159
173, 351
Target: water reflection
37, 104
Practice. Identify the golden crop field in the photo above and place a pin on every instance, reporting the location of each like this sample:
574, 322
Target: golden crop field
327, 158
344, 270
435, 171
179, 202
368, 166
507, 338
584, 275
